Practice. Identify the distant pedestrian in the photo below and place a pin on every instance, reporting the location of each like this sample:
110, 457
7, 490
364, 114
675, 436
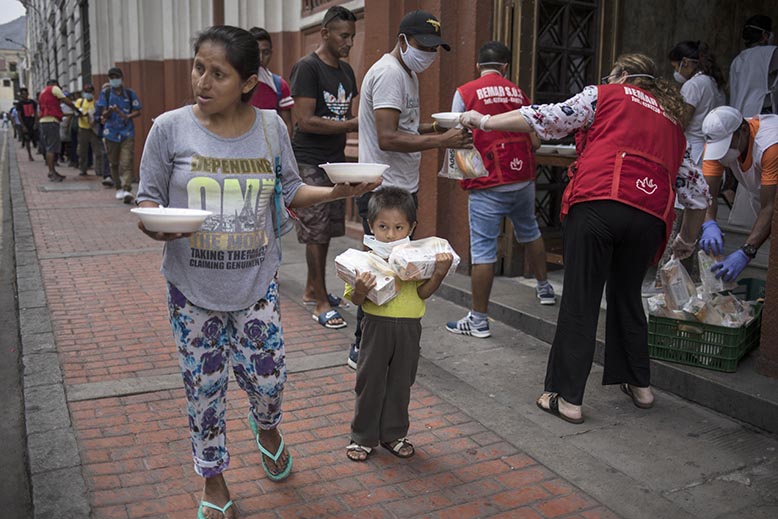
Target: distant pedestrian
6, 122
116, 108
13, 113
50, 101
88, 133
224, 155
389, 353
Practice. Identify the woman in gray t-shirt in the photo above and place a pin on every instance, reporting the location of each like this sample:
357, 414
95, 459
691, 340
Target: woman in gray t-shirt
221, 154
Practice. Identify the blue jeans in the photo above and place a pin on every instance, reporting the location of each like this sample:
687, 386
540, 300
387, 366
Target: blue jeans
487, 208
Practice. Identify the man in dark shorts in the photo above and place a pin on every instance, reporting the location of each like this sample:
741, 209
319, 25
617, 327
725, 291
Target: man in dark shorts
51, 117
323, 87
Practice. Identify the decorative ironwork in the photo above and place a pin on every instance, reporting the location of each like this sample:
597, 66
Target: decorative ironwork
566, 48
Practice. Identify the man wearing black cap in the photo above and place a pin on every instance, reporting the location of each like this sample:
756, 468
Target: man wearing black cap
116, 107
88, 133
753, 74
390, 131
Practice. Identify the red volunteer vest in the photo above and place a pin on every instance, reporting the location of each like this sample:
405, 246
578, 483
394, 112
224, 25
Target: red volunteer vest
507, 156
49, 104
630, 154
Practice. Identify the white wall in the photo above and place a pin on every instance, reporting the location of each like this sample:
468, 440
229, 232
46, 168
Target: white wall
146, 30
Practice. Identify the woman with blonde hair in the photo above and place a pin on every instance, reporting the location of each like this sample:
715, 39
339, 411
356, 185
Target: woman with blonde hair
618, 212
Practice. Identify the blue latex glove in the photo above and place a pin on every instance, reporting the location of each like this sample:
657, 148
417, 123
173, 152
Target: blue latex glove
731, 266
712, 241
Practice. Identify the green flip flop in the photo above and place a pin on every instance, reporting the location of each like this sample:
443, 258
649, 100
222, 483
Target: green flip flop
287, 470
206, 504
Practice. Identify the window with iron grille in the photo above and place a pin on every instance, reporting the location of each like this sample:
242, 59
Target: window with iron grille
566, 50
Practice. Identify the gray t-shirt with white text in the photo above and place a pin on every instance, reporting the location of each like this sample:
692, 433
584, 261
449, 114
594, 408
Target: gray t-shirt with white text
229, 263
388, 85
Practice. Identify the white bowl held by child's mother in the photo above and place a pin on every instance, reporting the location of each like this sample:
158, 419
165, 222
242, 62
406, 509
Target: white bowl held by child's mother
171, 219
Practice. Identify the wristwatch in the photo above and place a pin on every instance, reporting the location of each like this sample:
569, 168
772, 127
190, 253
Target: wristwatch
749, 250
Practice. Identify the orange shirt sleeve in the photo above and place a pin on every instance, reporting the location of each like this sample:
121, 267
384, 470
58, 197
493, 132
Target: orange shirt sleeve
770, 166
712, 168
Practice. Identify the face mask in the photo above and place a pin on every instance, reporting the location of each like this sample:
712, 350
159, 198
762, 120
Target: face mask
415, 59
88, 97
383, 248
115, 83
679, 77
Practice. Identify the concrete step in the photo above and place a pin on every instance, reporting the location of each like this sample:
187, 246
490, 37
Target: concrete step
744, 395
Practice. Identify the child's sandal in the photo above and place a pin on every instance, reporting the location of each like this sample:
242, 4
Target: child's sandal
356, 452
396, 447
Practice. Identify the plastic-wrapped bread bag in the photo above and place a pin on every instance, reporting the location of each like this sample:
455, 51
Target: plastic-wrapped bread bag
677, 285
416, 260
464, 163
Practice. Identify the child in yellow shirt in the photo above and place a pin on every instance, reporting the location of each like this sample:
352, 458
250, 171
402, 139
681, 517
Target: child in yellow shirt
389, 352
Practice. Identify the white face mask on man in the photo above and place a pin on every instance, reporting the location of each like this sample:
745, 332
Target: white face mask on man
415, 59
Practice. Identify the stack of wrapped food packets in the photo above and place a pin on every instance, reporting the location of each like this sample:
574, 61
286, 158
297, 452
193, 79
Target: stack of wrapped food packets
412, 261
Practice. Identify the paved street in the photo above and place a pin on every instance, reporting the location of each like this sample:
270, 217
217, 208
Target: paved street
107, 429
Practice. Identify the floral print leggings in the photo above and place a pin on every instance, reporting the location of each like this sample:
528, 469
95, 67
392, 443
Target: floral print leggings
207, 342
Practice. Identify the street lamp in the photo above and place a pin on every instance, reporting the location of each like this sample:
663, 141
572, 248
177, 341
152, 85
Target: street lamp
22, 45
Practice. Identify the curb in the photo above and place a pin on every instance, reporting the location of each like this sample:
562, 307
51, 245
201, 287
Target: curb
58, 486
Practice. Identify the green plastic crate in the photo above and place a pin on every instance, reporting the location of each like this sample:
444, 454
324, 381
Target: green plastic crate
702, 345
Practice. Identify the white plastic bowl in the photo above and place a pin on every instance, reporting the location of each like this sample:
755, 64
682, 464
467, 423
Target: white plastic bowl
447, 119
353, 172
171, 219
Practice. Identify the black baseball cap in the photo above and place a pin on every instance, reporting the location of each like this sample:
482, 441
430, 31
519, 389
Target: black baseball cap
115, 71
424, 27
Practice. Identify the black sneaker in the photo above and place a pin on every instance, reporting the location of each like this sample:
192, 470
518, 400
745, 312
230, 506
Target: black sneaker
353, 356
128, 198
56, 177
107, 182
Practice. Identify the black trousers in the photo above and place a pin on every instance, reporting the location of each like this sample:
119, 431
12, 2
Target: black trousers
604, 242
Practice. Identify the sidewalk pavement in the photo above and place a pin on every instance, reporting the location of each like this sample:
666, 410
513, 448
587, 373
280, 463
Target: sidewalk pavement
107, 430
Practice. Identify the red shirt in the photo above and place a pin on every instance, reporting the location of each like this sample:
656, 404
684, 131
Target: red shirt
49, 103
265, 98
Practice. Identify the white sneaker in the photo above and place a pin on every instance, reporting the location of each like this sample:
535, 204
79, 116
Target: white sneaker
120, 194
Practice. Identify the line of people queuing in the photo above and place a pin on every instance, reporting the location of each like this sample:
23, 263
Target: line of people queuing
618, 211
82, 130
